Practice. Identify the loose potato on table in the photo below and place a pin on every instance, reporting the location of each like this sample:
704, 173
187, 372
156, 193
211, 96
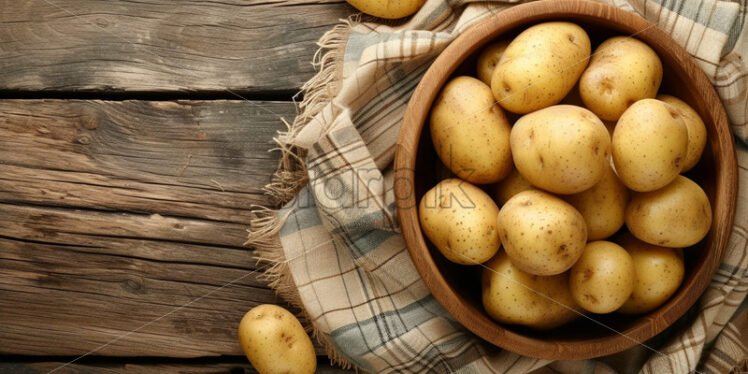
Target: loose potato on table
460, 219
677, 216
488, 59
541, 234
391, 9
511, 295
650, 142
659, 273
602, 206
540, 66
622, 70
694, 126
275, 342
603, 278
470, 132
563, 149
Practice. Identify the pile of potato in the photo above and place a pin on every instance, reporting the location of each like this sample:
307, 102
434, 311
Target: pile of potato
594, 148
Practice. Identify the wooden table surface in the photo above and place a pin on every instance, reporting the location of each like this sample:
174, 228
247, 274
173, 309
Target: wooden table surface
129, 161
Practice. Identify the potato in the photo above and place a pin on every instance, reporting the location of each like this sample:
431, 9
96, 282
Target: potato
603, 278
508, 296
659, 273
540, 66
622, 70
390, 9
694, 126
650, 142
541, 234
562, 149
513, 184
470, 132
488, 59
460, 219
602, 205
678, 215
274, 341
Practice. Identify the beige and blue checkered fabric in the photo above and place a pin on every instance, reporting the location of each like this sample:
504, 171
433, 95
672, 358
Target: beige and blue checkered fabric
340, 242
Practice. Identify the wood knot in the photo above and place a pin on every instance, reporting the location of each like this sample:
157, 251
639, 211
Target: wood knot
84, 139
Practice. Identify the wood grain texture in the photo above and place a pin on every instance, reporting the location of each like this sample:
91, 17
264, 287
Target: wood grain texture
161, 46
717, 174
231, 365
116, 213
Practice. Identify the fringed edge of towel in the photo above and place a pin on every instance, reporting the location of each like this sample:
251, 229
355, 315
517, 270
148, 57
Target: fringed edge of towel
291, 176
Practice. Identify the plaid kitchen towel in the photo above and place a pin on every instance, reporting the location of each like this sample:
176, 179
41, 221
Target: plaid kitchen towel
335, 246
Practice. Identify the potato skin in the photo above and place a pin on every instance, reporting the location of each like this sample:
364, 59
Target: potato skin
513, 184
622, 70
460, 220
470, 132
695, 127
390, 9
275, 342
659, 273
488, 59
540, 66
541, 234
508, 296
603, 278
650, 142
678, 215
602, 206
562, 149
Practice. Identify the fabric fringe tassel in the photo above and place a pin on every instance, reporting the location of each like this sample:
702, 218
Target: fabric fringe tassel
291, 176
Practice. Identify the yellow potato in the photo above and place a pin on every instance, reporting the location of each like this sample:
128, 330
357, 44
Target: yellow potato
470, 132
275, 342
659, 273
603, 278
488, 59
562, 149
694, 125
390, 9
513, 184
511, 295
677, 216
650, 142
622, 70
602, 205
541, 234
460, 220
540, 66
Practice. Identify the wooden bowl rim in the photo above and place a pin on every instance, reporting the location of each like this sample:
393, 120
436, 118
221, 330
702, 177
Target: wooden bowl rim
405, 159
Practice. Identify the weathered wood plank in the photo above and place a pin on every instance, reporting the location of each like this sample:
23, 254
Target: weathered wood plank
202, 159
117, 214
231, 365
161, 45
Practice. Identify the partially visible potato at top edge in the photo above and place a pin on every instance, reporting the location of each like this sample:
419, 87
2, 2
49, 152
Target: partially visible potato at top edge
470, 132
650, 142
460, 220
563, 149
540, 66
622, 71
387, 9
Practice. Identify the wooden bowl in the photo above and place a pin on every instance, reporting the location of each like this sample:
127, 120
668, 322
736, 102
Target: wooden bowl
457, 287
